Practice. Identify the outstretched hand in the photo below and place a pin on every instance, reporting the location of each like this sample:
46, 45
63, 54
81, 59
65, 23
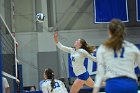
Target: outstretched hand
56, 37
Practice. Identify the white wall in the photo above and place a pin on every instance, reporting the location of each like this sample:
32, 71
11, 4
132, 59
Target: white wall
24, 15
2, 10
27, 56
75, 15
46, 42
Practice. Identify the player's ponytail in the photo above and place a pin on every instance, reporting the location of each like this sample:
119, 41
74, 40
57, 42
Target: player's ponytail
52, 82
85, 46
50, 75
117, 31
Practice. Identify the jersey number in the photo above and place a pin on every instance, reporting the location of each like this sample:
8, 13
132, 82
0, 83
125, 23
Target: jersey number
122, 53
73, 58
56, 85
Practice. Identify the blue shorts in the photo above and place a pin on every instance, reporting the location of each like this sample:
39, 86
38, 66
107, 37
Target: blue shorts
84, 76
121, 85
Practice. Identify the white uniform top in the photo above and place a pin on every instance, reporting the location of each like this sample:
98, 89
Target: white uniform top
78, 57
5, 84
59, 87
111, 67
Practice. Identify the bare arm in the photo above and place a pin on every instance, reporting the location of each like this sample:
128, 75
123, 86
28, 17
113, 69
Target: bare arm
60, 46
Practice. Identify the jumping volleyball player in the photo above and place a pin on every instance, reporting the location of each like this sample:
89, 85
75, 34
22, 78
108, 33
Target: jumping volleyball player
52, 85
78, 55
116, 62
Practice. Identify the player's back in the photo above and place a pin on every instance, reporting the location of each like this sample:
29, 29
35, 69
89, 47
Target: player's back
59, 87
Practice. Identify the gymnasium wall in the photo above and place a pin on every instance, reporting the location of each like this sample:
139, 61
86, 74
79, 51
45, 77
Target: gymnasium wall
75, 20
2, 11
27, 55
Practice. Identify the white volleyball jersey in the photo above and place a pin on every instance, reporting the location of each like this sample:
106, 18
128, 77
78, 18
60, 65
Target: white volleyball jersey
77, 57
113, 64
58, 88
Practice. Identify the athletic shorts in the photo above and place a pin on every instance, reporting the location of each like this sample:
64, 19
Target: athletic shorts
84, 76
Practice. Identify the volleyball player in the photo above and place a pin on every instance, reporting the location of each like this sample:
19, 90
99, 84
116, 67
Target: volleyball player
78, 54
116, 62
52, 85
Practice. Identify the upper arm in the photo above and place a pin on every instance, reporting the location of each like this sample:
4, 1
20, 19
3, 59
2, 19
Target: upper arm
63, 86
64, 48
86, 54
44, 89
137, 59
100, 67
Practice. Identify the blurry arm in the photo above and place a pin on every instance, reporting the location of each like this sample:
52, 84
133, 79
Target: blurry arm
86, 54
137, 60
44, 89
100, 71
64, 87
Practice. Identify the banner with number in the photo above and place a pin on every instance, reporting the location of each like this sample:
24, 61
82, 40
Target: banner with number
106, 10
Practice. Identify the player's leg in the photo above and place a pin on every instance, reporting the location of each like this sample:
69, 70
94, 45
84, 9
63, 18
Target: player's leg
77, 85
89, 82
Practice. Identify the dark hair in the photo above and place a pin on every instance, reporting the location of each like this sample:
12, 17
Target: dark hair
33, 87
117, 30
50, 75
85, 46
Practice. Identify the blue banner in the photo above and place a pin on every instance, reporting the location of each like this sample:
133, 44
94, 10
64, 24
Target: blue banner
138, 9
106, 10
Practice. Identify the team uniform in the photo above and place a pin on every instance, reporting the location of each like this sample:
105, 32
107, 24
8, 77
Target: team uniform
58, 88
5, 84
117, 68
78, 57
40, 84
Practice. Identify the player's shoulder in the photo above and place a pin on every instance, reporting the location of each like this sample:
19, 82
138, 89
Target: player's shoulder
102, 47
130, 45
59, 81
81, 50
46, 82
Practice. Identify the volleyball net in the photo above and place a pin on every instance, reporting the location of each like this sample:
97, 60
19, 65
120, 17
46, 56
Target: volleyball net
8, 59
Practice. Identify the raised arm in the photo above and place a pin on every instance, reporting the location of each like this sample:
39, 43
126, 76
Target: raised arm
60, 46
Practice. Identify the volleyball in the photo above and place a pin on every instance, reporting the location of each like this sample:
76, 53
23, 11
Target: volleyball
40, 17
